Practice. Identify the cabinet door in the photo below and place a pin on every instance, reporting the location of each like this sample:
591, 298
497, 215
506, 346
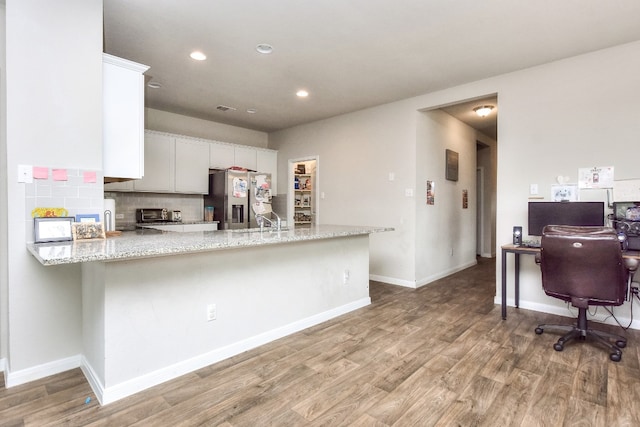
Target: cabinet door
192, 166
119, 186
245, 157
159, 163
123, 118
221, 156
267, 161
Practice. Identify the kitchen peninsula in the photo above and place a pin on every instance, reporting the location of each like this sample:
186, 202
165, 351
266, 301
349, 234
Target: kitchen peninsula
157, 305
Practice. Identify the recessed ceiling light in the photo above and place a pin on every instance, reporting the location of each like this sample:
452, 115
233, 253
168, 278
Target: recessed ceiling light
251, 110
198, 56
154, 85
264, 48
302, 93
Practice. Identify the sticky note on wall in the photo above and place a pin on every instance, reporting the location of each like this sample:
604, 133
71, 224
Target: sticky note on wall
59, 174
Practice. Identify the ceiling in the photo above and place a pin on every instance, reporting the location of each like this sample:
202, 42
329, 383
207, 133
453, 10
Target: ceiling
348, 54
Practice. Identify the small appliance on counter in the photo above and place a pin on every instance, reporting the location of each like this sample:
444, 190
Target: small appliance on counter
175, 216
157, 215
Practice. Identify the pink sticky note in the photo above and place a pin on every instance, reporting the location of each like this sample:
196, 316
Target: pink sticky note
40, 172
59, 174
89, 176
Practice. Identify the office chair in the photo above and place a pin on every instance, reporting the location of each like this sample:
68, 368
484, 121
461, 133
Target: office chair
584, 266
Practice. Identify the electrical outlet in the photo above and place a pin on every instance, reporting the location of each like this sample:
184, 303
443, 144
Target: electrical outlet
119, 216
212, 312
345, 278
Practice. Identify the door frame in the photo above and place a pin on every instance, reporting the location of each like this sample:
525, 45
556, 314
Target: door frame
290, 193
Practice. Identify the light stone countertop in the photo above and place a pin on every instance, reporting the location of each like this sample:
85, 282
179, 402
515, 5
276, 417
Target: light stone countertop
144, 243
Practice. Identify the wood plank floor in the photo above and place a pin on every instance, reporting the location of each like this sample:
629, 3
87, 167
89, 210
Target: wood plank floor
440, 355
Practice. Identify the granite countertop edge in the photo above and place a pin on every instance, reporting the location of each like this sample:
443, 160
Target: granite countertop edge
145, 243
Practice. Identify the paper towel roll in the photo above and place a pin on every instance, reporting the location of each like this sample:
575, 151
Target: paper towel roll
110, 214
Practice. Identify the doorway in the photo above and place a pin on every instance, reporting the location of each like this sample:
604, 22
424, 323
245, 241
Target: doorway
304, 191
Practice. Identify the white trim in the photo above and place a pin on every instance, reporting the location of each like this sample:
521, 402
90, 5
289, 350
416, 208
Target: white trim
445, 273
3, 364
422, 282
23, 376
601, 316
393, 281
108, 395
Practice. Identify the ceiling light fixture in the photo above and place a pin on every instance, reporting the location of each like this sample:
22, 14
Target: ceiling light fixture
198, 56
154, 85
484, 110
264, 48
251, 110
302, 93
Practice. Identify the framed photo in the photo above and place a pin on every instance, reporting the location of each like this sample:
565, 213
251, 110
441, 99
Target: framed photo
301, 168
451, 165
88, 230
52, 229
87, 218
564, 193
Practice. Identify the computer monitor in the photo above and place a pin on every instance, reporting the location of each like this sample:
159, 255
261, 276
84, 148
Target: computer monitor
564, 213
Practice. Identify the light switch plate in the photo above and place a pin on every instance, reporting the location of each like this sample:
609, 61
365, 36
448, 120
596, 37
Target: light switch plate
25, 174
533, 189
408, 192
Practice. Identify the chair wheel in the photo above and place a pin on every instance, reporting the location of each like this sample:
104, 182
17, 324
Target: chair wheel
621, 344
615, 357
559, 347
539, 331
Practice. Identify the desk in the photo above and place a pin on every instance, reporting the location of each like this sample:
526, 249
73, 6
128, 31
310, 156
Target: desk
517, 251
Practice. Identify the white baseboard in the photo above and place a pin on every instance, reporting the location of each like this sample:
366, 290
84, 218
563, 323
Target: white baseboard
3, 364
421, 282
108, 395
445, 273
23, 376
392, 281
601, 315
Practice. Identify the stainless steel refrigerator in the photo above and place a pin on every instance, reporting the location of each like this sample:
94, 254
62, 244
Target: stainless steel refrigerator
235, 194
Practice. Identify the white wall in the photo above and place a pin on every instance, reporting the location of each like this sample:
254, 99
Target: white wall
555, 118
54, 118
4, 295
175, 123
445, 232
357, 152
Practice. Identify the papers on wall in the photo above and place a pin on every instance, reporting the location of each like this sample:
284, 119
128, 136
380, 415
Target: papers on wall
595, 177
626, 190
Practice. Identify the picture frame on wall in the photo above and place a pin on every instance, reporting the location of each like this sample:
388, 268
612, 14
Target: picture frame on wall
451, 165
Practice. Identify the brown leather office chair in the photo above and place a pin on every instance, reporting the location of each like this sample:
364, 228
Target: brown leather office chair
584, 266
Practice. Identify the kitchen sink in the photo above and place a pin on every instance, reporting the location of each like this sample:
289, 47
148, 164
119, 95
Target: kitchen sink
257, 229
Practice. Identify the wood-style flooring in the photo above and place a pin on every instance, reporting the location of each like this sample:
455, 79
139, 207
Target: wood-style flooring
439, 355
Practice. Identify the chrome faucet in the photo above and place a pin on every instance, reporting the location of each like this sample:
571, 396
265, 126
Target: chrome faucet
260, 218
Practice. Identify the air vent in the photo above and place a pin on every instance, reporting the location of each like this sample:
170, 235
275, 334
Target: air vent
225, 108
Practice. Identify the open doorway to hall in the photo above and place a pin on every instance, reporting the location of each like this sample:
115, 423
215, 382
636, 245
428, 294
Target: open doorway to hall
486, 166
303, 195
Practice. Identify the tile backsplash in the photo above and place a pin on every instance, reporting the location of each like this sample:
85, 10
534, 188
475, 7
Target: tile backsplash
191, 205
74, 191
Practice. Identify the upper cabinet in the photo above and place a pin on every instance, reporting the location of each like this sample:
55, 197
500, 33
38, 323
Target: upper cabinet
192, 166
123, 118
180, 164
221, 155
159, 156
245, 157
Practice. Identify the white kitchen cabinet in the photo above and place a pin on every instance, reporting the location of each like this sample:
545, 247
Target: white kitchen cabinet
123, 118
159, 158
245, 157
192, 166
119, 186
221, 155
267, 161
